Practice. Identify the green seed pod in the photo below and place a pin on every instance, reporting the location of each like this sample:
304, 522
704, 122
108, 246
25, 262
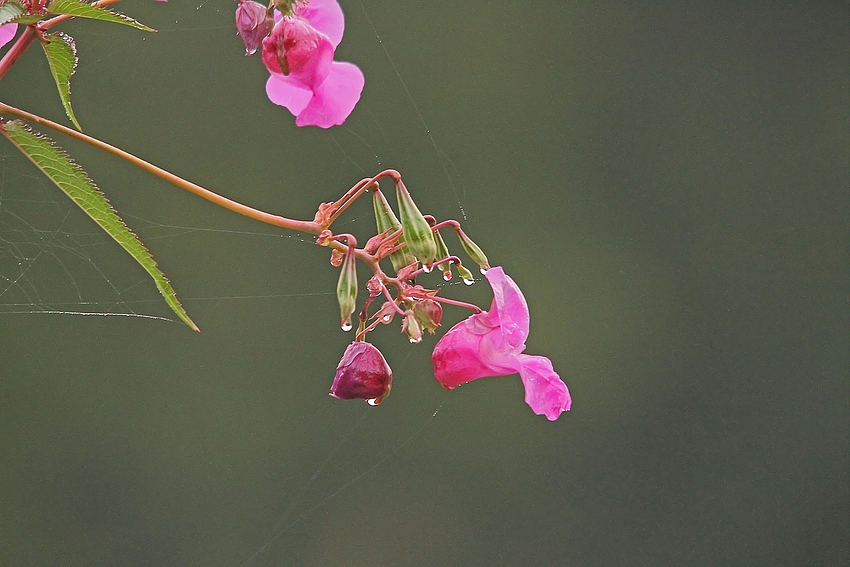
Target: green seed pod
417, 232
465, 274
442, 252
346, 289
473, 251
386, 219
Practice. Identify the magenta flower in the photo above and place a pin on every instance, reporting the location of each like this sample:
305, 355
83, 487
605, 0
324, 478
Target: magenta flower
7, 33
491, 343
304, 77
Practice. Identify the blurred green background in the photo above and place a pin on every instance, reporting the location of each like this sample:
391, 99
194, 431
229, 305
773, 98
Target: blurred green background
668, 183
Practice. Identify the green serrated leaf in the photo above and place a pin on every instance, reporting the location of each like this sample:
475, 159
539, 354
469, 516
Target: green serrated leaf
70, 177
9, 11
61, 54
83, 10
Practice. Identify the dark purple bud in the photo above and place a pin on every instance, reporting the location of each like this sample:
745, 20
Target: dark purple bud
363, 373
253, 22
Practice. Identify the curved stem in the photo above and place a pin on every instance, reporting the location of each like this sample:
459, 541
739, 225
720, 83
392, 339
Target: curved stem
256, 214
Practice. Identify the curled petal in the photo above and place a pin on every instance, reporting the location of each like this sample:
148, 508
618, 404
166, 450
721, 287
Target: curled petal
544, 391
335, 98
510, 308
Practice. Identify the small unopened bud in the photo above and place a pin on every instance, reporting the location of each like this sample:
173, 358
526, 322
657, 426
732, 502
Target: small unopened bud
428, 313
410, 327
465, 274
385, 219
417, 232
253, 22
473, 251
346, 288
362, 373
442, 252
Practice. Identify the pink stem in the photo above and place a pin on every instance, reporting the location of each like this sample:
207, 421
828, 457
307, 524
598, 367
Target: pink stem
291, 224
30, 34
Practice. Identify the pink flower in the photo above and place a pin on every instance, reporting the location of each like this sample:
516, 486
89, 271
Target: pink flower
7, 33
304, 77
362, 373
491, 343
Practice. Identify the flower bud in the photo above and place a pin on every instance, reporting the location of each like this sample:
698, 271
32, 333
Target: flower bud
428, 313
417, 232
442, 252
385, 219
253, 22
362, 373
346, 288
473, 251
465, 274
410, 327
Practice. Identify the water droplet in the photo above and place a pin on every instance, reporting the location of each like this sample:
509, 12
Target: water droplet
373, 402
468, 281
427, 268
447, 276
346, 325
415, 340
387, 318
483, 270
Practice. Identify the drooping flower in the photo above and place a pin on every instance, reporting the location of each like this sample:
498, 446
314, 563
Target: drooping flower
362, 373
491, 343
304, 77
7, 33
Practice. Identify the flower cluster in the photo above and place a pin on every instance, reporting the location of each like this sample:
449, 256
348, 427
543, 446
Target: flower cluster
298, 41
488, 343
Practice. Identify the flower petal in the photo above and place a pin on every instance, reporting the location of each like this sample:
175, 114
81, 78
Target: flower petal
511, 309
545, 392
326, 16
288, 92
335, 98
466, 352
7, 33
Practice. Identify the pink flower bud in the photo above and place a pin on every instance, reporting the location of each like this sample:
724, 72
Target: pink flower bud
254, 23
363, 373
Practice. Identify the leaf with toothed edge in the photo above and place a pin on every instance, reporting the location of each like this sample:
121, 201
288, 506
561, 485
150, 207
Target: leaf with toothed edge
61, 54
70, 177
10, 11
84, 10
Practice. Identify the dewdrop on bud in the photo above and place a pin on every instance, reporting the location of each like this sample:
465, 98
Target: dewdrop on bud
473, 251
346, 289
417, 231
253, 22
442, 253
362, 373
465, 274
410, 326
